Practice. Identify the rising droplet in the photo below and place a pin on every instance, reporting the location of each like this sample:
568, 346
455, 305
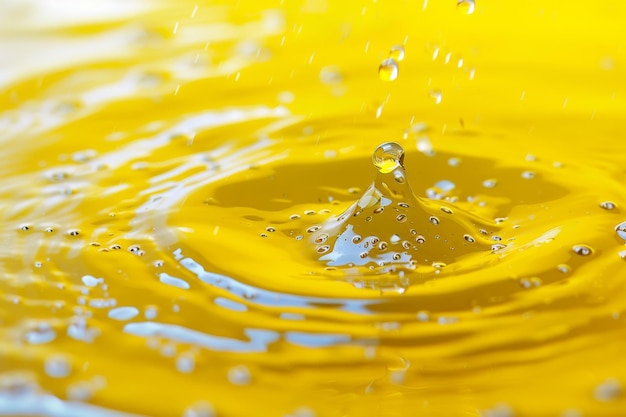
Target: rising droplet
388, 70
397, 53
388, 157
467, 6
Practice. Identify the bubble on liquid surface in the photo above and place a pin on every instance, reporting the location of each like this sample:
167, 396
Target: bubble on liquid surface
620, 229
467, 6
388, 70
390, 225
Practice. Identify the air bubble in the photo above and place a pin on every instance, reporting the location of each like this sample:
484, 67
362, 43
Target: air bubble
620, 229
321, 238
294, 217
387, 157
388, 70
25, 227
356, 239
446, 210
313, 229
469, 238
270, 229
563, 268
379, 210
382, 246
608, 205
582, 250
397, 53
433, 220
528, 175
401, 218
467, 6
420, 239
323, 249
73, 232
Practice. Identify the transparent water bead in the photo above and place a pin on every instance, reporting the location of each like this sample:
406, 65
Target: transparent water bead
467, 6
388, 70
390, 225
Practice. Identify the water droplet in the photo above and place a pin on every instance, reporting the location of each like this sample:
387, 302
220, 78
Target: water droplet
73, 232
433, 220
270, 229
330, 75
467, 6
239, 375
423, 316
388, 156
446, 210
582, 250
608, 390
469, 238
490, 183
397, 53
401, 218
185, 363
388, 70
564, 268
608, 205
313, 229
57, 366
436, 95
621, 230
200, 409
25, 227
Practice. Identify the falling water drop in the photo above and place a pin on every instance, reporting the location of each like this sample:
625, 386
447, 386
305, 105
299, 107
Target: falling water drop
388, 70
436, 95
467, 6
397, 53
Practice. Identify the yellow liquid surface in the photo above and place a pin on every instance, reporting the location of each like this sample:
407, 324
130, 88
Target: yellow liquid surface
192, 225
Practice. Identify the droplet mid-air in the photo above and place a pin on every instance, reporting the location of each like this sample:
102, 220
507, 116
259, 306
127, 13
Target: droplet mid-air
467, 6
388, 70
390, 225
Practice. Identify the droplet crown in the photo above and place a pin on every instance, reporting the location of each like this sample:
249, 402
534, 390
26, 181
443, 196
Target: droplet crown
388, 224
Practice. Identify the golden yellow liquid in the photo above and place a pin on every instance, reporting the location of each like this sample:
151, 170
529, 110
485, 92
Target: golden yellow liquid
162, 161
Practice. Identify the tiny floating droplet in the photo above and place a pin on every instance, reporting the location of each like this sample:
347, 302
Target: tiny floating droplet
608, 205
388, 70
397, 53
468, 6
436, 95
582, 250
